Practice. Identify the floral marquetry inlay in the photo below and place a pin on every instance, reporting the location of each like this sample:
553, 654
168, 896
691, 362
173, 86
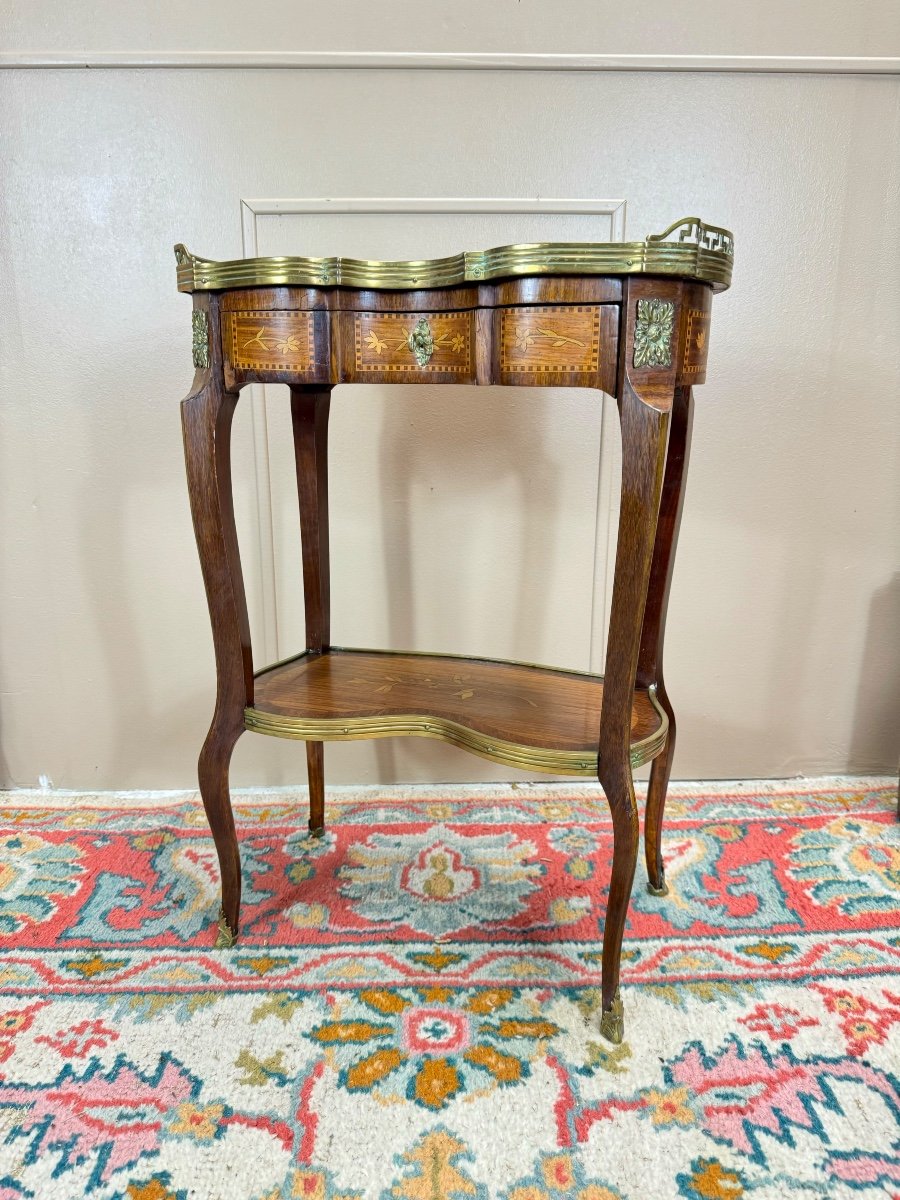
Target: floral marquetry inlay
696, 342
401, 342
270, 341
552, 338
653, 333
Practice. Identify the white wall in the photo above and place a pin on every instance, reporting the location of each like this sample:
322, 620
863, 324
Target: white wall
451, 510
151, 28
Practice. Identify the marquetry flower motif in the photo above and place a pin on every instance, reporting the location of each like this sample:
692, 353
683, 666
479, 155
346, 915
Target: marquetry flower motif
374, 342
653, 333
286, 345
430, 1045
438, 881
526, 335
420, 341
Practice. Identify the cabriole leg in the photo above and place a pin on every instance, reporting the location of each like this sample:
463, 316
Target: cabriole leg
644, 417
619, 788
215, 758
206, 416
650, 661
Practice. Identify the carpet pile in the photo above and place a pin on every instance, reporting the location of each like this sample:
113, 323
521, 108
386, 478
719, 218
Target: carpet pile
410, 1012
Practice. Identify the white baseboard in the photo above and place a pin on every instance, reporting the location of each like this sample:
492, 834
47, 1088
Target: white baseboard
280, 60
383, 793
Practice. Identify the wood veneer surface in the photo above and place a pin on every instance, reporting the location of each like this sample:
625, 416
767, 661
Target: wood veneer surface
531, 706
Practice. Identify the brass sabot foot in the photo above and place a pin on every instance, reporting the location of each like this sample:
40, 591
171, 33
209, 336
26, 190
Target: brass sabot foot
318, 832
658, 891
225, 938
612, 1021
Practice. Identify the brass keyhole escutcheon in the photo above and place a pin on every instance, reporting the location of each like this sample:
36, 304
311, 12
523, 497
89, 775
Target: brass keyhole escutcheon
421, 342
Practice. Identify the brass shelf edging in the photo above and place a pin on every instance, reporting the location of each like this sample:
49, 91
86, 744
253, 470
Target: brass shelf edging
512, 754
689, 249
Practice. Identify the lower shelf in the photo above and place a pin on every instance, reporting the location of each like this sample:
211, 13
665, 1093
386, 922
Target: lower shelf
535, 718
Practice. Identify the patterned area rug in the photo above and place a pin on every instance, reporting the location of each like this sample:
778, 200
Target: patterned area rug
410, 1013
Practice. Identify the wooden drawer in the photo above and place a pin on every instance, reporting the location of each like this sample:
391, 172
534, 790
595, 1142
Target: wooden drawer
408, 347
269, 342
556, 344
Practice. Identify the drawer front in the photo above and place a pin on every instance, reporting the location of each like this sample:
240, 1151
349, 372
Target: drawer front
411, 347
557, 344
270, 341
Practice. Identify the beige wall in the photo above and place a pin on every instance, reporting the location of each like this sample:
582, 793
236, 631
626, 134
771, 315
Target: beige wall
464, 521
657, 27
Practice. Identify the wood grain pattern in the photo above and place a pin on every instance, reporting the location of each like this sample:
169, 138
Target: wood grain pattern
537, 707
535, 289
550, 339
650, 658
206, 416
381, 343
540, 332
551, 289
645, 398
309, 416
304, 336
270, 340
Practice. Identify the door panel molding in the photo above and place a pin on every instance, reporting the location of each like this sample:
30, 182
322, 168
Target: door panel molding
380, 60
251, 211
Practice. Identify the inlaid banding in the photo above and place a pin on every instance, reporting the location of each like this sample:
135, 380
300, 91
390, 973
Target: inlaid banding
270, 341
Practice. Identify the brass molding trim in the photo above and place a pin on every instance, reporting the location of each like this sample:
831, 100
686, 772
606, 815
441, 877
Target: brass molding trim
688, 249
527, 758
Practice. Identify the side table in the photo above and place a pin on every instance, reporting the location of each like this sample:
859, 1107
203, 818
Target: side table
631, 319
